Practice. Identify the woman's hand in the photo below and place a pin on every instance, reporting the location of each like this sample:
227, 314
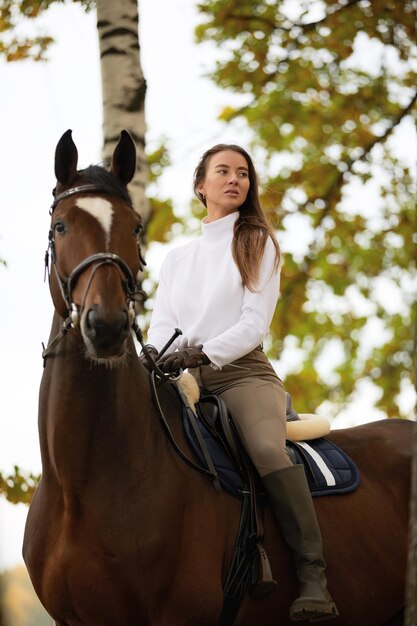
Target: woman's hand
153, 353
189, 357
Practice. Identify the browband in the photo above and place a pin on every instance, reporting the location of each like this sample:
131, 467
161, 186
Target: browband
73, 190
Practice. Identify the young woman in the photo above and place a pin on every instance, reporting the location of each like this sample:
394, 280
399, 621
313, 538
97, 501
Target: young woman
221, 290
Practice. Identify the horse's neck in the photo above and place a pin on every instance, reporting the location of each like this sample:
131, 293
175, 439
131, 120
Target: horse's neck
93, 416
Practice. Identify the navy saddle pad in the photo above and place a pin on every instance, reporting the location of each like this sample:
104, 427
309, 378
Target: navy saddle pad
328, 468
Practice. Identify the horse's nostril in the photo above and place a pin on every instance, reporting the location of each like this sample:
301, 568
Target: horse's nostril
107, 334
90, 320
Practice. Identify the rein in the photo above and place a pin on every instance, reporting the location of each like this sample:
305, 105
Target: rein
211, 473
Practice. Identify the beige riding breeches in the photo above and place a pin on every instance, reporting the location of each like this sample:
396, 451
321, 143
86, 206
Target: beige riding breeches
256, 398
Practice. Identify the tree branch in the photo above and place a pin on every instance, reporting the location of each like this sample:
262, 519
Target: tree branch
308, 259
365, 152
332, 11
252, 18
273, 25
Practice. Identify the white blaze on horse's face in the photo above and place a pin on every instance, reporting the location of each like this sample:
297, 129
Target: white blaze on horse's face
101, 209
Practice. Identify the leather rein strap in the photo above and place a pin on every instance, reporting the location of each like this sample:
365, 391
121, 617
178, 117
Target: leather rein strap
211, 472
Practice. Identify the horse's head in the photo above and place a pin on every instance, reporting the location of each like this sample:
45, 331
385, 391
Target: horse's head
94, 244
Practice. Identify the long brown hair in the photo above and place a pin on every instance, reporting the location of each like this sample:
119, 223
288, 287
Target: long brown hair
252, 229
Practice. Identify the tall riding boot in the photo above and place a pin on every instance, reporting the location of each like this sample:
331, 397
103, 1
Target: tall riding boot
292, 504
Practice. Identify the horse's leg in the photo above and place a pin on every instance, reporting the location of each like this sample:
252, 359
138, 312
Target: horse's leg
396, 620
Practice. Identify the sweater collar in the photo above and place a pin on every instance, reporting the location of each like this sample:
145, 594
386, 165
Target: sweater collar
218, 229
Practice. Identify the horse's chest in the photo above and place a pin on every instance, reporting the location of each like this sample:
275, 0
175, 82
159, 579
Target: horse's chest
85, 586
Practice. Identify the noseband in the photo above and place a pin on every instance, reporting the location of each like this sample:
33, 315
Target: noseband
100, 259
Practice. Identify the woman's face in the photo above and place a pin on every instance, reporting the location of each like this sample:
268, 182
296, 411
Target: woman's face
226, 183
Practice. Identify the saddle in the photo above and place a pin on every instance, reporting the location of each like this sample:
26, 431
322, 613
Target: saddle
328, 468
214, 441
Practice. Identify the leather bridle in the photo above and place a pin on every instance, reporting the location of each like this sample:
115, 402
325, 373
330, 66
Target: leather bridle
66, 285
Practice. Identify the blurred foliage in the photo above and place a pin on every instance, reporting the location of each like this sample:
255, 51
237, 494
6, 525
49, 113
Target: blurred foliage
322, 117
15, 18
162, 216
18, 601
18, 487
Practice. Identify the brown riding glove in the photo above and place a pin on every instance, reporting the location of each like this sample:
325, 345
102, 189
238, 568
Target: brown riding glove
189, 357
153, 353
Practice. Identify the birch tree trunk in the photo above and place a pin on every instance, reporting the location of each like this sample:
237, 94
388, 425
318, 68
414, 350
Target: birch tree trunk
123, 86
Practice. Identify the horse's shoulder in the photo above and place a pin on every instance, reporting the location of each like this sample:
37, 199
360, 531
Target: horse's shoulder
169, 400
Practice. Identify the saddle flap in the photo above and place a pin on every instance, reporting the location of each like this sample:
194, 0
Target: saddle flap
214, 414
209, 418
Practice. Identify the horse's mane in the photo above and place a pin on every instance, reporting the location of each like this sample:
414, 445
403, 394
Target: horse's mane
108, 182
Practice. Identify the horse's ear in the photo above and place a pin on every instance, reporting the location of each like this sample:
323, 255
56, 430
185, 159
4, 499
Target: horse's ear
66, 159
123, 163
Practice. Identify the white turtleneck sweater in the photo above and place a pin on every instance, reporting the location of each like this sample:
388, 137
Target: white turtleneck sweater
200, 291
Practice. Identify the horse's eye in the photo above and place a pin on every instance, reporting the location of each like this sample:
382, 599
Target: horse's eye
137, 230
60, 228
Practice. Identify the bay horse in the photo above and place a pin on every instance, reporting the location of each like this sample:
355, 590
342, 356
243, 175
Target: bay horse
122, 532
